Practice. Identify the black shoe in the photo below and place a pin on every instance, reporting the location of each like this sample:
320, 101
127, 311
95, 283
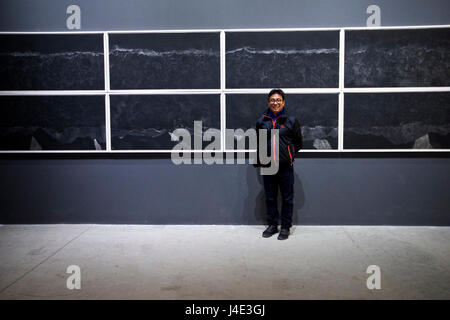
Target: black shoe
284, 234
270, 231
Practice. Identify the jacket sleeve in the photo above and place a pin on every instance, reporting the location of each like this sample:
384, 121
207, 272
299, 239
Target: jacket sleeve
298, 139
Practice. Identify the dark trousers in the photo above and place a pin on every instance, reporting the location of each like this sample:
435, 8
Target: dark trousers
284, 179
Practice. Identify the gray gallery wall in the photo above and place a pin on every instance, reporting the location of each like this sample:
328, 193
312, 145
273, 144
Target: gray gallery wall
50, 15
363, 189
336, 191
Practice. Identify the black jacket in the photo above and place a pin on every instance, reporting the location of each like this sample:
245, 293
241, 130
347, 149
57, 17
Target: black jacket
290, 135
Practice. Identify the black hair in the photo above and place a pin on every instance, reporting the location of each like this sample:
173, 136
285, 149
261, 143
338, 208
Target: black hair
274, 91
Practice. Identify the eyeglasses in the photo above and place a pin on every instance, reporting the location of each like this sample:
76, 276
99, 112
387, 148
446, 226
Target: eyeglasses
275, 100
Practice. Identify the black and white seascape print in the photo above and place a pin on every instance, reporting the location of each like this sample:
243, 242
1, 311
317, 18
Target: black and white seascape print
52, 123
51, 62
397, 58
147, 122
165, 61
397, 120
295, 59
317, 114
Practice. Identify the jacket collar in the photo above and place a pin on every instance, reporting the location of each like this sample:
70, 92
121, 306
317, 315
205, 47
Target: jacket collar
280, 115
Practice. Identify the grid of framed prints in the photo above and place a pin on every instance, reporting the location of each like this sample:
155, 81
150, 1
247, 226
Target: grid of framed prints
378, 90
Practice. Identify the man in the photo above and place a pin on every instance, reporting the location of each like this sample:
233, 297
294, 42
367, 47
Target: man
290, 141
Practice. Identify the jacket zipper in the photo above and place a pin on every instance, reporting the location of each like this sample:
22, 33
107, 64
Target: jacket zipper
290, 156
273, 138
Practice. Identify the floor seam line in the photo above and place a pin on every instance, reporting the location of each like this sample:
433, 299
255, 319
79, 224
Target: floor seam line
32, 269
354, 242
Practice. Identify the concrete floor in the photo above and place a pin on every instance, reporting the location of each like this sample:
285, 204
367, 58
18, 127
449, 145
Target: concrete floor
223, 262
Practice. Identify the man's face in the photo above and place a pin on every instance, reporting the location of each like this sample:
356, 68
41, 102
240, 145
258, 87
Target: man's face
276, 103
